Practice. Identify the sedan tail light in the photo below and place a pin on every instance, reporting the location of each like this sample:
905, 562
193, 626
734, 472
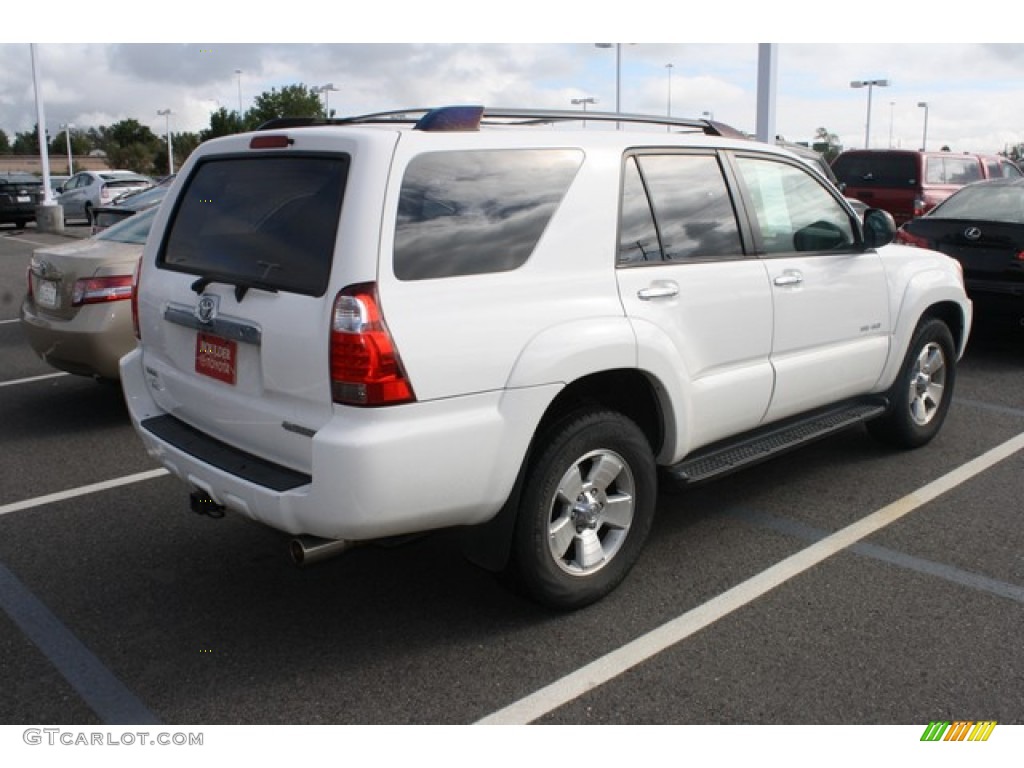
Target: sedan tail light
907, 238
365, 366
97, 290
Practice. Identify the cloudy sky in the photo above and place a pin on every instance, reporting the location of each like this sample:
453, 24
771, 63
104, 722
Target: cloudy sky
95, 73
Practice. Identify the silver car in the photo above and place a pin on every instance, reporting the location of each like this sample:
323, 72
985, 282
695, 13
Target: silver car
87, 190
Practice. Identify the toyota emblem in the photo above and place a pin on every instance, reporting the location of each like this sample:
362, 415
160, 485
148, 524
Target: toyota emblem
206, 309
972, 233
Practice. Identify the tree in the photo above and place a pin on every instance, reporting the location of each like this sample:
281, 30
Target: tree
133, 146
5, 143
27, 142
290, 101
222, 123
827, 143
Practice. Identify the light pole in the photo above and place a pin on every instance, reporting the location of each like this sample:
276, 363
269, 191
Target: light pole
238, 74
325, 90
67, 136
924, 138
708, 115
892, 104
618, 76
584, 101
166, 113
870, 85
668, 111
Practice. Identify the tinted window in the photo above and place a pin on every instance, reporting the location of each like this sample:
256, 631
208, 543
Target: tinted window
474, 212
267, 221
794, 211
876, 170
691, 205
638, 237
984, 202
134, 229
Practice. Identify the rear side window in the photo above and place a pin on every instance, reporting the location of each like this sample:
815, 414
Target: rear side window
952, 170
876, 170
676, 207
259, 221
477, 212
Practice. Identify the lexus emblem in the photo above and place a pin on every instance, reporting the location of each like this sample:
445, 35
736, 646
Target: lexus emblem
972, 233
206, 309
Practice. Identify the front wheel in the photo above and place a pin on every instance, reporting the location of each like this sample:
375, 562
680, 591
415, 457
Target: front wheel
921, 394
586, 509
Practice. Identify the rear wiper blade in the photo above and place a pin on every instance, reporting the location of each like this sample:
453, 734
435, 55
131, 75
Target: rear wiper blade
241, 286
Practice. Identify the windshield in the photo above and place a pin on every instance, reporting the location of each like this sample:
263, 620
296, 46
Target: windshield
985, 203
134, 229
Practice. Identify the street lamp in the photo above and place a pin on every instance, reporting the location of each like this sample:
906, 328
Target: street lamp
325, 90
584, 101
924, 138
166, 113
238, 74
870, 85
67, 137
618, 76
668, 111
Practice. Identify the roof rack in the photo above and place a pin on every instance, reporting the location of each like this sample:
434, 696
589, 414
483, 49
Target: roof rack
471, 117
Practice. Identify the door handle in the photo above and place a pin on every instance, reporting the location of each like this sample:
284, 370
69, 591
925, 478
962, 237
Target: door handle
789, 278
662, 289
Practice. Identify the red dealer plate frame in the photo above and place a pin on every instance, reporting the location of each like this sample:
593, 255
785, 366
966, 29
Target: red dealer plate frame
216, 357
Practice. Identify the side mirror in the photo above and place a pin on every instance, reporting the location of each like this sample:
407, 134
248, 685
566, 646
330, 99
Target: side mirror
879, 228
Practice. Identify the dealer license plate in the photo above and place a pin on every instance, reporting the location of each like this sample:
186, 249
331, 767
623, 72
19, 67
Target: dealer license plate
216, 357
46, 294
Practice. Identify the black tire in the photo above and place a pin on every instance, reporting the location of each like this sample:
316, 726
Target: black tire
921, 394
88, 214
586, 509
19, 225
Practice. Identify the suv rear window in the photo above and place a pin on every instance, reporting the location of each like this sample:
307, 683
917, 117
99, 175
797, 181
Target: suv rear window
479, 211
876, 170
266, 222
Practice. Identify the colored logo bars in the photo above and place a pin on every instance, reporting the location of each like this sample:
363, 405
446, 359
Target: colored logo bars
961, 730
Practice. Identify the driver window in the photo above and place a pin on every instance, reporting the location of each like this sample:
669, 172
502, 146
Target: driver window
794, 211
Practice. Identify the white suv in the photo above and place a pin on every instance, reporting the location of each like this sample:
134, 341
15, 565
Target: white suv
370, 327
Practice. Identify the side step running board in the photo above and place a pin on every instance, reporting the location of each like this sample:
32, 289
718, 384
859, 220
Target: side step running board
763, 444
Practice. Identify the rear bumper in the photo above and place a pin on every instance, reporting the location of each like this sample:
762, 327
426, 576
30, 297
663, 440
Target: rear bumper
91, 343
375, 472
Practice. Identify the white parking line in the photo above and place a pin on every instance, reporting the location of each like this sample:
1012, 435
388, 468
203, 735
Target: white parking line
600, 671
5, 322
83, 490
30, 379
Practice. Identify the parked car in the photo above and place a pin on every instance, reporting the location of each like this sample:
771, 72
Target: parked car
88, 190
982, 227
77, 314
128, 205
372, 327
20, 193
909, 183
57, 184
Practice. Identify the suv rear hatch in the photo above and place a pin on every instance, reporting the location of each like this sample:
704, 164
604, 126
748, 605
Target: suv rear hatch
234, 305
888, 180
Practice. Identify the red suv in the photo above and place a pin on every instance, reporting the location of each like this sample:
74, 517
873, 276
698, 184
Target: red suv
908, 183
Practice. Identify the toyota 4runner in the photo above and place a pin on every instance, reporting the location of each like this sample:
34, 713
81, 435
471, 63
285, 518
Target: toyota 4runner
368, 327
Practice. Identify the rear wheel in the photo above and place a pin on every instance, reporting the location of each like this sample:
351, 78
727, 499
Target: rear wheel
586, 509
88, 214
920, 397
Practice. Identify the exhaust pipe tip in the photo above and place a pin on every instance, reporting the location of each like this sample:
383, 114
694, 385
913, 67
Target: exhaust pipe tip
308, 550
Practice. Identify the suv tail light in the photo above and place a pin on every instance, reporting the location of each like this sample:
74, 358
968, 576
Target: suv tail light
365, 366
96, 290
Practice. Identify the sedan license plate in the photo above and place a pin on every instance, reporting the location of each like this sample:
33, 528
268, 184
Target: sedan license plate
24, 199
216, 357
46, 294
